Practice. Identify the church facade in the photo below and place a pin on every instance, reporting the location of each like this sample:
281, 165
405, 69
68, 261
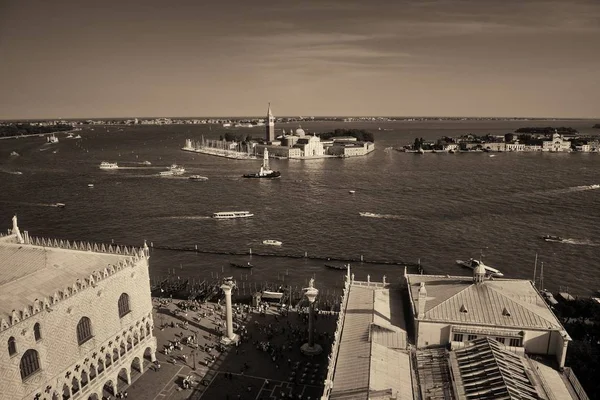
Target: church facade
75, 318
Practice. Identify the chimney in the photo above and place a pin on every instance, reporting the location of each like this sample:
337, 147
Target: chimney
422, 300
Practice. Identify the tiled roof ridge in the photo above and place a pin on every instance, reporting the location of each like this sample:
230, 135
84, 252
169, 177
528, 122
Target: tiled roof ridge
38, 306
499, 292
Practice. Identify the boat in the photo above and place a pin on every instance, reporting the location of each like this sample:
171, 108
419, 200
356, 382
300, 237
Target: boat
177, 170
70, 136
351, 191
59, 205
77, 137
174, 170
52, 139
336, 266
472, 263
198, 178
108, 165
420, 151
594, 186
272, 242
265, 171
368, 214
552, 238
269, 294
14, 154
232, 214
146, 163
248, 265
90, 185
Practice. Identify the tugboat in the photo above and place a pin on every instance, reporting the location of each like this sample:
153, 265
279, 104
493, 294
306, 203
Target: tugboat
265, 171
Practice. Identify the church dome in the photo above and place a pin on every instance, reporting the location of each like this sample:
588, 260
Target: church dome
300, 132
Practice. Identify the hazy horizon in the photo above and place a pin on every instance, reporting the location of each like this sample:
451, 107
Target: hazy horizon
434, 58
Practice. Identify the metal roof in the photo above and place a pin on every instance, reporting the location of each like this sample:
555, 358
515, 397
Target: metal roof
498, 302
486, 370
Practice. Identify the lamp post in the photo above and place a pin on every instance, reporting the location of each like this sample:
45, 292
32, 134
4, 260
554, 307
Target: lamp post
311, 348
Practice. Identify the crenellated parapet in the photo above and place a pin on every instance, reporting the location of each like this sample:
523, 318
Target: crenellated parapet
132, 256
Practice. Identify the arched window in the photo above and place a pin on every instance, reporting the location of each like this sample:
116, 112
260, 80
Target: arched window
124, 305
30, 363
37, 332
12, 346
84, 330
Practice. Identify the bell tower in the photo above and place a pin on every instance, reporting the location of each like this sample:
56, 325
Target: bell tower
270, 134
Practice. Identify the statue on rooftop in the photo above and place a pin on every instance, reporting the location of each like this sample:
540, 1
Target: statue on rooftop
311, 283
15, 227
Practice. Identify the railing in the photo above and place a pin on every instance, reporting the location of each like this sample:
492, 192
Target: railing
336, 343
568, 372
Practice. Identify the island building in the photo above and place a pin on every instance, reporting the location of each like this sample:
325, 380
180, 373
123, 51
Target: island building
448, 337
75, 318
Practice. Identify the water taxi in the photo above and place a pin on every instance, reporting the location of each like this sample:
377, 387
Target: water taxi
272, 242
59, 205
108, 165
551, 238
232, 214
472, 263
198, 178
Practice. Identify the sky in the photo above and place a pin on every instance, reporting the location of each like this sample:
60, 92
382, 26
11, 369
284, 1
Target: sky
84, 59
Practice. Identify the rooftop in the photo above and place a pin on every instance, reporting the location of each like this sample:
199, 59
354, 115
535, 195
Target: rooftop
39, 268
497, 302
374, 340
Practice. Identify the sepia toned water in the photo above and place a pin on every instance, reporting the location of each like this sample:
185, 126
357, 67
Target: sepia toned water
433, 207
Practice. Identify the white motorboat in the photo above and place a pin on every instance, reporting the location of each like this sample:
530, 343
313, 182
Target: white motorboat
198, 178
165, 173
90, 185
146, 163
369, 214
108, 165
59, 205
232, 214
272, 242
351, 191
472, 263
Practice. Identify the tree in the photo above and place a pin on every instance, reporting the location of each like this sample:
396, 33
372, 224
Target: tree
509, 137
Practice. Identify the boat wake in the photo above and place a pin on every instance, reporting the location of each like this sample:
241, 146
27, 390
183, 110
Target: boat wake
579, 242
383, 216
189, 217
581, 188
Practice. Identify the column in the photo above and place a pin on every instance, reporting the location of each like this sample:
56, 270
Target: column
228, 311
311, 348
311, 329
230, 337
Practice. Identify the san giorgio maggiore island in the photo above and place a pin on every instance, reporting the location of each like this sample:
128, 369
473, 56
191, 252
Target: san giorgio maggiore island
289, 145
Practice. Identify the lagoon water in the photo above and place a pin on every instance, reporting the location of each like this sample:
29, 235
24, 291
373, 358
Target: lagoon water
433, 207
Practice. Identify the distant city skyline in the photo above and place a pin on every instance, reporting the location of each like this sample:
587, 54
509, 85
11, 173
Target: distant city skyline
438, 58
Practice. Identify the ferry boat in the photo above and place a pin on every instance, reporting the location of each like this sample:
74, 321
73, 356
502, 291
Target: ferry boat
108, 165
265, 171
472, 263
551, 238
272, 242
198, 178
232, 214
52, 139
269, 294
177, 170
174, 170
